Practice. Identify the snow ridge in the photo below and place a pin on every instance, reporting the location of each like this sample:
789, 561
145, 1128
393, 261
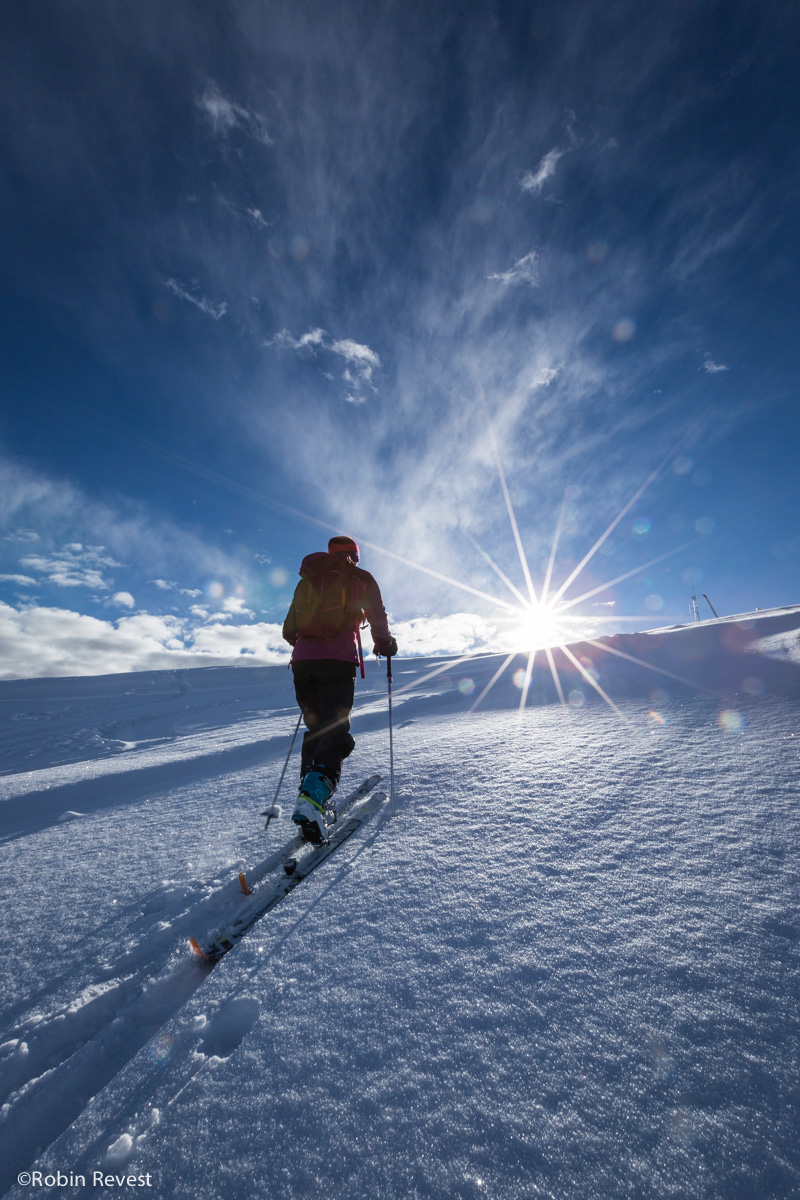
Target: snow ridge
568, 967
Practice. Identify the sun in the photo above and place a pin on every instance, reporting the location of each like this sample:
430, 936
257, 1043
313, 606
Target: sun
536, 628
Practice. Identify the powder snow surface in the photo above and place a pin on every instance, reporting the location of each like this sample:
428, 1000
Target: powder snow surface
568, 967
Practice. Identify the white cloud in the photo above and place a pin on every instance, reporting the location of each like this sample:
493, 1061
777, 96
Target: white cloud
125, 599
236, 606
54, 641
534, 181
712, 368
361, 360
361, 356
38, 641
314, 337
150, 629
544, 376
20, 580
353, 396
207, 306
169, 585
232, 606
257, 218
287, 340
524, 271
74, 566
261, 643
222, 114
225, 115
460, 633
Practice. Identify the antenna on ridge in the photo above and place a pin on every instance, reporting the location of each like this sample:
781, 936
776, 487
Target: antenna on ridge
695, 609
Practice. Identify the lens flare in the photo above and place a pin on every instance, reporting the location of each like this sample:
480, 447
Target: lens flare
299, 247
624, 329
590, 670
160, 1049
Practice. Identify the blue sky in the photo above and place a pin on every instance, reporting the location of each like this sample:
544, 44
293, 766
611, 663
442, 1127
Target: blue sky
273, 271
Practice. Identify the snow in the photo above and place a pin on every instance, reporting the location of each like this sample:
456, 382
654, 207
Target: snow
568, 966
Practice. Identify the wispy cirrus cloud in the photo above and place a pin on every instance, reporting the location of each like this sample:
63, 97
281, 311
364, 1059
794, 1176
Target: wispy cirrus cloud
224, 115
22, 537
534, 181
56, 535
713, 368
258, 219
199, 301
524, 270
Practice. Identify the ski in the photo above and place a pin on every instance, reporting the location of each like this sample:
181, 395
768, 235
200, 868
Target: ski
265, 899
248, 880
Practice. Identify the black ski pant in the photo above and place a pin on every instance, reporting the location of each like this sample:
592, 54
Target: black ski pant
325, 690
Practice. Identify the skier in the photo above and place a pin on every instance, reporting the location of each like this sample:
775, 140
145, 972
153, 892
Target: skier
329, 604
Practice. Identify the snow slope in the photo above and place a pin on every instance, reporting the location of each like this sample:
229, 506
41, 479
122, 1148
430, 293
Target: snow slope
568, 966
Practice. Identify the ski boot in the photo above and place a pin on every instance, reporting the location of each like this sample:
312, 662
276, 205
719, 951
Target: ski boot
309, 811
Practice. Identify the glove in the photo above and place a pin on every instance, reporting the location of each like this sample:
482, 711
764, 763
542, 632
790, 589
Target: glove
388, 649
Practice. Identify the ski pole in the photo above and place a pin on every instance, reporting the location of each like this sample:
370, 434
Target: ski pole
270, 812
360, 649
391, 740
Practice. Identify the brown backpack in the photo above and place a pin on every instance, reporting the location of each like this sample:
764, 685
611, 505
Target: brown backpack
327, 600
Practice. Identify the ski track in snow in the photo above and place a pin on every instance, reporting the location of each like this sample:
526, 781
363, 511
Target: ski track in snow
568, 967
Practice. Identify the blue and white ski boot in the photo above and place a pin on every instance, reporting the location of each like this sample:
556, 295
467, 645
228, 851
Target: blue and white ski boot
309, 811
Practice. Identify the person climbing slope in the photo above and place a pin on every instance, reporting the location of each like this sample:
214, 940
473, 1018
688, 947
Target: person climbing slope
332, 599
